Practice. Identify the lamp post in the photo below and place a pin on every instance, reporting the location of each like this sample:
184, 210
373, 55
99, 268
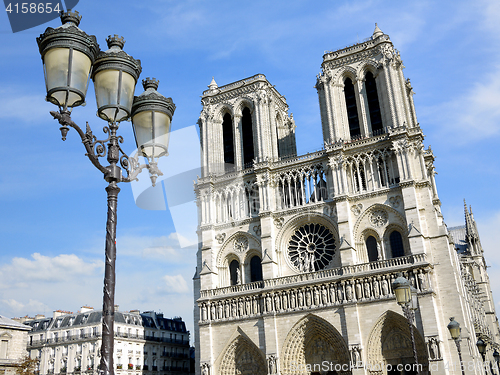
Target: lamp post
69, 55
454, 328
406, 297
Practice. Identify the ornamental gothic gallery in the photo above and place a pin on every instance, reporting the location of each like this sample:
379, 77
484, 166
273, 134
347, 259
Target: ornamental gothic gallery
298, 255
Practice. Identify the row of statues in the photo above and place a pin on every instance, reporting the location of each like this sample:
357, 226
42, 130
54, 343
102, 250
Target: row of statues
335, 293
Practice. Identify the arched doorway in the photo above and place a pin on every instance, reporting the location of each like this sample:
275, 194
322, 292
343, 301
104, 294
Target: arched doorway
314, 346
242, 357
390, 347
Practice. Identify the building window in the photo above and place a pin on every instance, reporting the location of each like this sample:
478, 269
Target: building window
234, 271
247, 134
255, 269
311, 248
352, 109
396, 241
4, 347
373, 104
371, 248
227, 137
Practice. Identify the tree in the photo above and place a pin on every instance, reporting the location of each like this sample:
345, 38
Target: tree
27, 366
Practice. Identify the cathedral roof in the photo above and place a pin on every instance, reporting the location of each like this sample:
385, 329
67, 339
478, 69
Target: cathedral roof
459, 238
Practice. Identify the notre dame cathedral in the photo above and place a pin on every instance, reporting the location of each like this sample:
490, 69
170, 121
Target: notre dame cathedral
298, 254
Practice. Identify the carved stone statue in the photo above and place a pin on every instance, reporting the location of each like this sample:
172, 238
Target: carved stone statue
269, 307
204, 312
422, 281
356, 357
348, 292
272, 364
385, 287
205, 369
433, 349
238, 276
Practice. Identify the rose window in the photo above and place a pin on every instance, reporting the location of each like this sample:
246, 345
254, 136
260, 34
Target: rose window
311, 248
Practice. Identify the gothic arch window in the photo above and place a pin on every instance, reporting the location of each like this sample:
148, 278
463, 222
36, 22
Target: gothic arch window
373, 104
396, 241
247, 133
352, 109
227, 137
234, 272
255, 269
371, 249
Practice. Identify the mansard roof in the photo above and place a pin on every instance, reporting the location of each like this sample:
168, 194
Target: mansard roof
11, 324
89, 318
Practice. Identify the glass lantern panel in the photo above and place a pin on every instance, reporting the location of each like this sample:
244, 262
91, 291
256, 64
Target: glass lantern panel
66, 92
152, 132
56, 62
403, 295
127, 91
80, 71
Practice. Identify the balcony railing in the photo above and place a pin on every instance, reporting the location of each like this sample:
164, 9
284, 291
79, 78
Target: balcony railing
333, 273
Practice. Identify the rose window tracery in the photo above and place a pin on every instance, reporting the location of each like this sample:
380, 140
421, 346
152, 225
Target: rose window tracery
240, 244
311, 248
378, 218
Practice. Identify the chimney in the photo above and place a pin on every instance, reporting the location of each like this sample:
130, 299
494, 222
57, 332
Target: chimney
85, 309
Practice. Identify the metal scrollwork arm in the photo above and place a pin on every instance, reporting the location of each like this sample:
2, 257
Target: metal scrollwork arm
96, 149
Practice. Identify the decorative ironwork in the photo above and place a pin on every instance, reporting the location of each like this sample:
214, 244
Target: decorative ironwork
311, 248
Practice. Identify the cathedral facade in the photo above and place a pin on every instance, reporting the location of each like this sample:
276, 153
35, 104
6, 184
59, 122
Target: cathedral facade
298, 254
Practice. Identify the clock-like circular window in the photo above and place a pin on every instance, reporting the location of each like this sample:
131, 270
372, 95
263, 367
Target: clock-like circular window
311, 248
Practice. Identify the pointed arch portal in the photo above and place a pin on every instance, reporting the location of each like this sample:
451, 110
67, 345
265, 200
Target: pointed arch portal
390, 345
312, 343
242, 357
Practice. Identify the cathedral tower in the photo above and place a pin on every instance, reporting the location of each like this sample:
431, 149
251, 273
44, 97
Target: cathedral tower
298, 254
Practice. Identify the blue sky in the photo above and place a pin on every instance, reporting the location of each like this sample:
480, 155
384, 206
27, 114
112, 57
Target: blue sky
52, 200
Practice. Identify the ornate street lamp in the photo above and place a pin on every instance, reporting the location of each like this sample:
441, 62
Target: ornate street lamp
496, 357
406, 297
69, 55
455, 330
481, 346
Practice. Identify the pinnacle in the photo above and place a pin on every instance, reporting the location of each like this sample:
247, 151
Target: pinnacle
377, 32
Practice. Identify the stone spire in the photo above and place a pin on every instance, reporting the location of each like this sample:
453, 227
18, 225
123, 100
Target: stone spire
472, 235
377, 32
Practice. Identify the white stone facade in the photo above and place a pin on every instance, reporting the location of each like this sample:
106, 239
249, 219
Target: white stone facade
145, 343
13, 339
298, 254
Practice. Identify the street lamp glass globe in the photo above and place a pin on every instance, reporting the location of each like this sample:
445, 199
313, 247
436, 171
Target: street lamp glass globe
402, 290
454, 328
151, 117
115, 75
67, 53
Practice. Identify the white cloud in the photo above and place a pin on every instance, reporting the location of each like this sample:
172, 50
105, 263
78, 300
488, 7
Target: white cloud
174, 284
61, 268
474, 115
20, 308
65, 281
